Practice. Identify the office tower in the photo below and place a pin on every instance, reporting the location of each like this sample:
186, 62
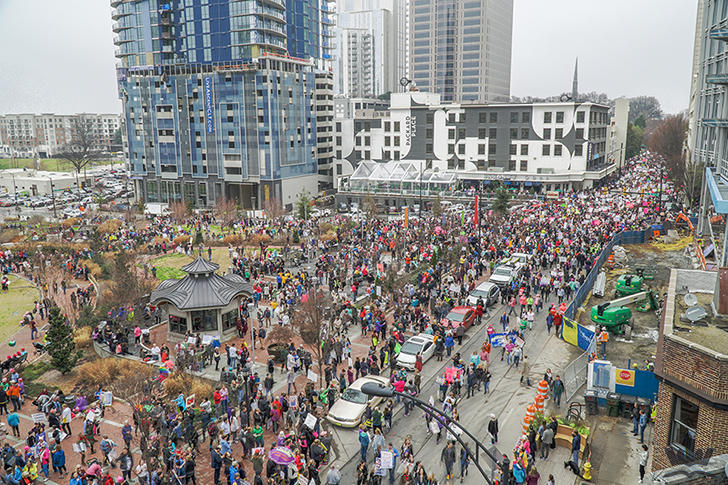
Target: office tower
370, 55
461, 49
222, 98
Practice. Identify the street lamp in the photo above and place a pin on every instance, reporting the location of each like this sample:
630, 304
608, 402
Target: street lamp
245, 372
53, 196
379, 390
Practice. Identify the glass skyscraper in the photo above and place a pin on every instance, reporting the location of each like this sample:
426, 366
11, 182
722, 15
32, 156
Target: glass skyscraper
225, 98
461, 49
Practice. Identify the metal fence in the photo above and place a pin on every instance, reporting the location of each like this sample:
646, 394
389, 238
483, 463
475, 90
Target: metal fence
574, 375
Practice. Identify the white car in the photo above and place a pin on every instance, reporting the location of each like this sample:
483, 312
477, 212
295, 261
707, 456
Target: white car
422, 343
488, 291
348, 410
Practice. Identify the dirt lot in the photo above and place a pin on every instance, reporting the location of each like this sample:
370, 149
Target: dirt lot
643, 343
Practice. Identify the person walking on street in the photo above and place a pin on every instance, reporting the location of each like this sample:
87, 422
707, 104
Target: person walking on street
493, 429
643, 462
448, 458
364, 442
525, 370
557, 388
333, 477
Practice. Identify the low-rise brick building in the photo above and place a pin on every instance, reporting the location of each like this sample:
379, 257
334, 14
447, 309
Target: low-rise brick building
692, 365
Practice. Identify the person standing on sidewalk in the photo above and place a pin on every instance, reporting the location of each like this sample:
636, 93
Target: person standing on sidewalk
643, 462
525, 371
546, 440
643, 425
493, 429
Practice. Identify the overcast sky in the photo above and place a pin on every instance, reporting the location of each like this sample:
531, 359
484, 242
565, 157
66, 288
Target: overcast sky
58, 55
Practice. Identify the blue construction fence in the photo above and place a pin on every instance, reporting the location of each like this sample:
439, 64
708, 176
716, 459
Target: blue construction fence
621, 238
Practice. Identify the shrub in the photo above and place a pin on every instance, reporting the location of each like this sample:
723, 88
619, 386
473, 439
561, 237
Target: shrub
160, 240
103, 372
70, 222
183, 383
199, 238
82, 337
109, 227
234, 239
182, 240
7, 235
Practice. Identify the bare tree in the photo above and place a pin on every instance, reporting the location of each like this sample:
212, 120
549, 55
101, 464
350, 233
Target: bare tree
84, 145
130, 288
179, 211
274, 209
669, 140
226, 211
313, 327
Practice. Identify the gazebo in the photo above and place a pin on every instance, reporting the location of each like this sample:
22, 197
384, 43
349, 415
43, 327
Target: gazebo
203, 301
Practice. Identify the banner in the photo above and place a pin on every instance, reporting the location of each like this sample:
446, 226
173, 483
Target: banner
406, 217
576, 334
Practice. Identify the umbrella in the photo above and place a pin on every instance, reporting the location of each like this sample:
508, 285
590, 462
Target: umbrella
280, 455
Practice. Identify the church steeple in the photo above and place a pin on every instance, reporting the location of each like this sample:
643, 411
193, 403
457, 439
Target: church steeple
575, 85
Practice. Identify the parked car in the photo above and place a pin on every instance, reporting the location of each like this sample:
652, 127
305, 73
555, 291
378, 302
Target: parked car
348, 410
460, 315
488, 291
503, 275
342, 207
423, 344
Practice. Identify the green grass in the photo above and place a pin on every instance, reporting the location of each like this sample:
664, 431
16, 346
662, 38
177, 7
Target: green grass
33, 371
14, 304
166, 273
50, 165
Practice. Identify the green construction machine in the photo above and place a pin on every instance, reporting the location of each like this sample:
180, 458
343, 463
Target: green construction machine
617, 318
628, 284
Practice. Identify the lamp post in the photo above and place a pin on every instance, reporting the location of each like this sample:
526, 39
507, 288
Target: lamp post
245, 372
53, 196
376, 389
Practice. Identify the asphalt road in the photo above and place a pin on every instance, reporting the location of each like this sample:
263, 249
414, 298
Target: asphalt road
507, 399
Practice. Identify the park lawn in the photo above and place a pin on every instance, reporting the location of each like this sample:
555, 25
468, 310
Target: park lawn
167, 273
50, 164
13, 304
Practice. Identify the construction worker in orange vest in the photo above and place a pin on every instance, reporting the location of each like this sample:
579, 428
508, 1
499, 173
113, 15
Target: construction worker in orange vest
603, 339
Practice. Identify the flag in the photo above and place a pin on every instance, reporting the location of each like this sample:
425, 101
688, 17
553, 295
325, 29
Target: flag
570, 331
477, 209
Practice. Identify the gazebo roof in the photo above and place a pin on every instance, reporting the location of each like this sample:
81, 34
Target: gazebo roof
201, 288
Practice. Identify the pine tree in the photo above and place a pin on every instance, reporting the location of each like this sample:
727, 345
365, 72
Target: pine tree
61, 346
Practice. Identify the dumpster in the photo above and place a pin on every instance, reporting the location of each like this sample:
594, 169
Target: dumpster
592, 405
613, 399
627, 405
646, 405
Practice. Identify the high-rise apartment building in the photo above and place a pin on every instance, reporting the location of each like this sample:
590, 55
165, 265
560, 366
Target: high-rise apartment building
370, 54
461, 49
43, 136
225, 98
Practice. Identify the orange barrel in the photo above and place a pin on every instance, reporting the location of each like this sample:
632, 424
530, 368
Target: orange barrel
530, 410
526, 423
539, 403
543, 388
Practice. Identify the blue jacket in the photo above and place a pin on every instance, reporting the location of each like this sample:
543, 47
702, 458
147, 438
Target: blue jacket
59, 459
13, 419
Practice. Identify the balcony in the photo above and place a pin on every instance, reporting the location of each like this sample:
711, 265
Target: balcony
167, 35
717, 79
715, 123
719, 34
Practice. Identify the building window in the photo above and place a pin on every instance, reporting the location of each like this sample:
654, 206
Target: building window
525, 133
461, 149
357, 141
491, 163
338, 154
684, 425
177, 324
511, 165
339, 169
493, 133
229, 319
547, 117
578, 150
514, 133
547, 133
451, 149
338, 127
461, 134
557, 150
546, 151
494, 117
367, 126
558, 133
580, 117
481, 149
428, 148
430, 118
524, 149
580, 133
367, 141
387, 126
525, 117
482, 118
492, 149
396, 141
514, 117
481, 134
396, 155
204, 320
387, 155
524, 165
451, 134
513, 150
386, 141
559, 116
430, 133
451, 117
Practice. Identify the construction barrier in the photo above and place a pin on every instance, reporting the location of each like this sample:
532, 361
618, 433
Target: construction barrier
539, 401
